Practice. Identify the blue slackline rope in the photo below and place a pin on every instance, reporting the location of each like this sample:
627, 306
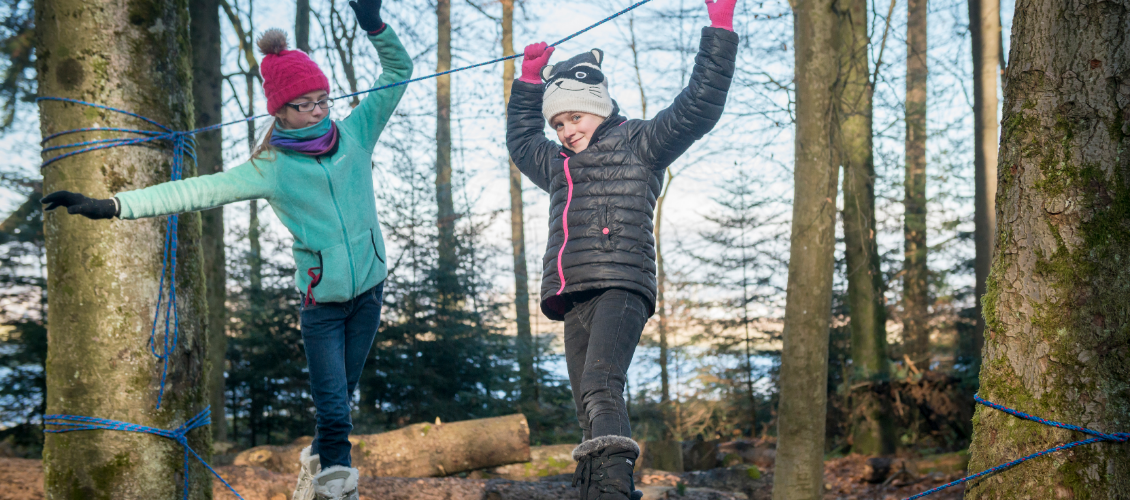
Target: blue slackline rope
71, 423
1118, 437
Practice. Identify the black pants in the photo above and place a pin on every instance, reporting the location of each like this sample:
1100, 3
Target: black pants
602, 329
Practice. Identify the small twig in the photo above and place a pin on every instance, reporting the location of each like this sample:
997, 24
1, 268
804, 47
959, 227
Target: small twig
883, 45
910, 364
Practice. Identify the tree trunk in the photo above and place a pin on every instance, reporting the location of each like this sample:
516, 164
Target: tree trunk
984, 29
808, 307
1057, 331
872, 429
206, 93
526, 375
302, 25
103, 275
660, 299
418, 450
444, 201
916, 331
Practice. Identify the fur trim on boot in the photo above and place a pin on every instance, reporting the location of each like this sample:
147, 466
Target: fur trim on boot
604, 468
336, 483
308, 467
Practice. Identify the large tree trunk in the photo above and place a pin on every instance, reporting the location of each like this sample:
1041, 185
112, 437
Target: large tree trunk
1058, 333
419, 450
872, 429
446, 206
916, 331
302, 25
984, 29
808, 306
206, 92
528, 383
103, 275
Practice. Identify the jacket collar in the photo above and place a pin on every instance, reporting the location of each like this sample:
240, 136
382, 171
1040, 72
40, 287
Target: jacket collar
614, 120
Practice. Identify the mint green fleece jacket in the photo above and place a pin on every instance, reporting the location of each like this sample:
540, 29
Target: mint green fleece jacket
327, 203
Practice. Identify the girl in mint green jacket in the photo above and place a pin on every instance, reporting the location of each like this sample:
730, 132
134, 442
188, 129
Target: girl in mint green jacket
316, 174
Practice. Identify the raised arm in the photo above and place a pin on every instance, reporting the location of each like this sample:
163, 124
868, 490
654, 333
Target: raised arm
525, 126
699, 106
368, 119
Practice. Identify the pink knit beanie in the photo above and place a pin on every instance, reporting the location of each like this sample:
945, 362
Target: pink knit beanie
287, 74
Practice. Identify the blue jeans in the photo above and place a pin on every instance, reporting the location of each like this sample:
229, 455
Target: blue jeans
602, 329
337, 337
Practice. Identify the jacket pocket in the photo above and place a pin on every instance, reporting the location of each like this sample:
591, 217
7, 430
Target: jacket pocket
376, 250
605, 231
336, 282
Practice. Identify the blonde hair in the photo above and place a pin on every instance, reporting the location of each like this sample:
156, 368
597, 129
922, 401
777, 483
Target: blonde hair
265, 151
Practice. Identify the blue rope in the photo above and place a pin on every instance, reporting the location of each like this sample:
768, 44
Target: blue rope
72, 423
1118, 437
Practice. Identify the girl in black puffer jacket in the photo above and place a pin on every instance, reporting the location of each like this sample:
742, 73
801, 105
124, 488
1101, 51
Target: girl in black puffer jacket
603, 180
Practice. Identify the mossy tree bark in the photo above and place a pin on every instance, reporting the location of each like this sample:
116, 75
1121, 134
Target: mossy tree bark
302, 25
1058, 324
804, 358
528, 383
985, 32
103, 275
872, 429
915, 292
207, 80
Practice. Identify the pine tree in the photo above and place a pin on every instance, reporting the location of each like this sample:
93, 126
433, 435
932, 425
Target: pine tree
916, 332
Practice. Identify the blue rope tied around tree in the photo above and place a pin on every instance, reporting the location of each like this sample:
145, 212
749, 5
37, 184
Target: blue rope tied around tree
72, 423
1118, 437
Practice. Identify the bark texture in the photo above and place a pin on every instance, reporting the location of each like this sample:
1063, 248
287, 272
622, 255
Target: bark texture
207, 80
419, 450
527, 378
985, 31
916, 331
103, 275
1056, 306
808, 307
872, 428
446, 205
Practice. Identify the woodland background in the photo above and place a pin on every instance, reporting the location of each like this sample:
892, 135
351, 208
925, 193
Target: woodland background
455, 342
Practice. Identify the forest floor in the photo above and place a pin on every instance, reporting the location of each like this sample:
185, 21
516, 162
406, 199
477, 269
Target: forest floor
22, 479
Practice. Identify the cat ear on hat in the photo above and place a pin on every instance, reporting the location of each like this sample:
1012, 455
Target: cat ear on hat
546, 71
599, 54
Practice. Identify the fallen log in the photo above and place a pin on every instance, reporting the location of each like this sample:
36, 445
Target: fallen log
545, 461
419, 450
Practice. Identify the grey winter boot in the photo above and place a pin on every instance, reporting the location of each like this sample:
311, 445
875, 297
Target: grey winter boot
309, 466
604, 468
336, 483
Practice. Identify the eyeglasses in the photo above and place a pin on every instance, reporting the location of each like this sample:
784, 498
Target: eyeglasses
308, 106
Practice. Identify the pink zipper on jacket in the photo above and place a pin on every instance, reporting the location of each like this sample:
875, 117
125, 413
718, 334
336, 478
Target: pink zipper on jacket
564, 224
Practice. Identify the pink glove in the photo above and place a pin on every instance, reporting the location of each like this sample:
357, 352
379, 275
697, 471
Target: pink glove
534, 59
721, 13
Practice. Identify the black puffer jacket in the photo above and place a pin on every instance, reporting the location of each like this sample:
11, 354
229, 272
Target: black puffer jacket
608, 192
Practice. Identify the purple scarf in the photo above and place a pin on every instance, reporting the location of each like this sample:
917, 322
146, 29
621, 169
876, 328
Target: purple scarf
316, 146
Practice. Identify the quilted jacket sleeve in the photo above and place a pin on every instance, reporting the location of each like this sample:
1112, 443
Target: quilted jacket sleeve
525, 134
698, 107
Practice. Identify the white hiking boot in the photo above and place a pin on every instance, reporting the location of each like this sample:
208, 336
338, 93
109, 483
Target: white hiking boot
336, 483
310, 466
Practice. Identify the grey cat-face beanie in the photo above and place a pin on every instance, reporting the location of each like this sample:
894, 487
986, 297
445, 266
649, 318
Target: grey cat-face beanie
576, 84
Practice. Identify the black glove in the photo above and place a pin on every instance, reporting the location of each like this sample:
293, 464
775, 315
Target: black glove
79, 204
368, 15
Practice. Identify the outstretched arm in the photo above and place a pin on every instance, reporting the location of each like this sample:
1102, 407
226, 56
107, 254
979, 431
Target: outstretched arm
525, 126
244, 182
699, 106
368, 119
